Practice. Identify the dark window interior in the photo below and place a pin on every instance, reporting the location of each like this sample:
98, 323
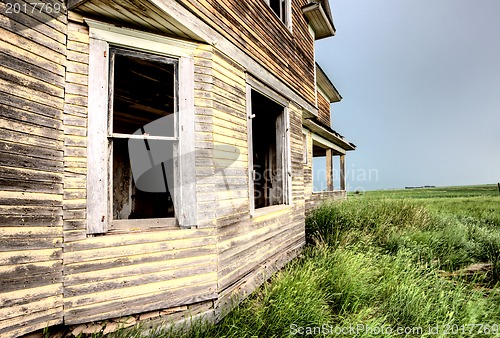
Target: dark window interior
279, 8
268, 187
143, 91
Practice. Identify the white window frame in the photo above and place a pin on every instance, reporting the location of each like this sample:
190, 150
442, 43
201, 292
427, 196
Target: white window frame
255, 85
98, 175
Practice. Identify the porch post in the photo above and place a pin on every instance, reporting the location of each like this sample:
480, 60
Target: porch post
329, 170
342, 172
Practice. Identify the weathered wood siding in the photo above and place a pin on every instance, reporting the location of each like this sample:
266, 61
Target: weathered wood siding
33, 57
43, 170
75, 130
244, 242
323, 109
246, 245
255, 29
308, 173
257, 243
116, 275
125, 273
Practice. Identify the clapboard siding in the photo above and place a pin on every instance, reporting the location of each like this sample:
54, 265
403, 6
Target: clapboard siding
122, 274
245, 243
116, 275
254, 28
43, 172
75, 130
33, 55
323, 109
204, 142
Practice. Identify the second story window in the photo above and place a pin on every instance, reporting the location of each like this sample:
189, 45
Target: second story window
282, 8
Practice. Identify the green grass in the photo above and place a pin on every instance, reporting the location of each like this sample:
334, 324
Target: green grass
383, 259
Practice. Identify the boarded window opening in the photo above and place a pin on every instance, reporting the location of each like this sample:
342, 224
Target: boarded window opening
268, 141
143, 91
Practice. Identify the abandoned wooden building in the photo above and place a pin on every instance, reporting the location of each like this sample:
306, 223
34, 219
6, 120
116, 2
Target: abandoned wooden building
156, 156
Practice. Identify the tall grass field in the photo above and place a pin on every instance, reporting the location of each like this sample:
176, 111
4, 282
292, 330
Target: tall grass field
416, 262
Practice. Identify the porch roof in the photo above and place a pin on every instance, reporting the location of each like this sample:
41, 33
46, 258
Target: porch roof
328, 133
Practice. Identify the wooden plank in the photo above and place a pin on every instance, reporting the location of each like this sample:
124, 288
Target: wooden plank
75, 235
97, 194
12, 50
77, 68
342, 173
24, 25
25, 161
57, 21
112, 273
28, 198
153, 301
75, 151
78, 32
100, 297
209, 252
329, 169
32, 256
31, 129
233, 272
167, 236
30, 220
24, 185
138, 249
137, 279
77, 78
31, 69
165, 22
76, 89
31, 275
234, 245
10, 88
32, 322
28, 210
30, 106
186, 204
14, 114
33, 307
24, 296
51, 155
33, 47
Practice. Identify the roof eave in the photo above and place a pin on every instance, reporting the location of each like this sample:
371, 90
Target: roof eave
330, 135
326, 85
72, 4
319, 20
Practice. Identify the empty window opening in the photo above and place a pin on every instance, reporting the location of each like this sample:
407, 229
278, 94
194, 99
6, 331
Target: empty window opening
142, 134
319, 168
269, 151
279, 8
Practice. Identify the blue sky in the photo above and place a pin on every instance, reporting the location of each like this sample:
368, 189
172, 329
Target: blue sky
420, 81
